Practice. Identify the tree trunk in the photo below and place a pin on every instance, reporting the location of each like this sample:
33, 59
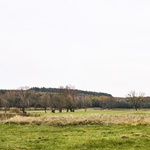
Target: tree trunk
53, 110
60, 110
45, 109
5, 110
23, 110
72, 109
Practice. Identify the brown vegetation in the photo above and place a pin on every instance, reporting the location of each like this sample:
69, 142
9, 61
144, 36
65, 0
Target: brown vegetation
82, 120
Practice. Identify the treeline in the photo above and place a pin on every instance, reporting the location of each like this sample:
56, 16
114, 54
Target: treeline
66, 98
57, 90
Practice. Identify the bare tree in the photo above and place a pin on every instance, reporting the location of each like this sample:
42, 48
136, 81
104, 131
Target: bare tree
84, 101
45, 100
135, 99
57, 101
24, 97
6, 99
35, 99
69, 95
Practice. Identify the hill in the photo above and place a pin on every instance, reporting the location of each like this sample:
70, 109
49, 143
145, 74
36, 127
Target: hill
57, 90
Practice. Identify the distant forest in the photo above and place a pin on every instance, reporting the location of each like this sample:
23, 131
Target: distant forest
57, 90
67, 98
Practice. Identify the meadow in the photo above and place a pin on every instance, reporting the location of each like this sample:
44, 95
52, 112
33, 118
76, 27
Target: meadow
94, 129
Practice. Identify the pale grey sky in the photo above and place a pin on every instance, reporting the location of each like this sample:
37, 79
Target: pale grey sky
96, 45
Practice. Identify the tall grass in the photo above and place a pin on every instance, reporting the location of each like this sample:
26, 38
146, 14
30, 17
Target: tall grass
91, 117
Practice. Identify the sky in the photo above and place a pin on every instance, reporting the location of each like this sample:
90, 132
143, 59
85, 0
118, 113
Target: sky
94, 45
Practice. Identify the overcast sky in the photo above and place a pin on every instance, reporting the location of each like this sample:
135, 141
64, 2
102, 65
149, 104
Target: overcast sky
96, 45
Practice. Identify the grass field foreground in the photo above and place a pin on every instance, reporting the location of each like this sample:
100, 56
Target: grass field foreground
93, 137
91, 130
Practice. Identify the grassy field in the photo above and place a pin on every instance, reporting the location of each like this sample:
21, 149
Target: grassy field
91, 117
93, 130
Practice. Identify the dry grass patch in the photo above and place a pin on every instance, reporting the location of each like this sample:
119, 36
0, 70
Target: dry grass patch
82, 120
5, 116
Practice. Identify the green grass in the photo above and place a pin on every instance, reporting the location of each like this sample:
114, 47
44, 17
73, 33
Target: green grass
94, 137
91, 112
79, 130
